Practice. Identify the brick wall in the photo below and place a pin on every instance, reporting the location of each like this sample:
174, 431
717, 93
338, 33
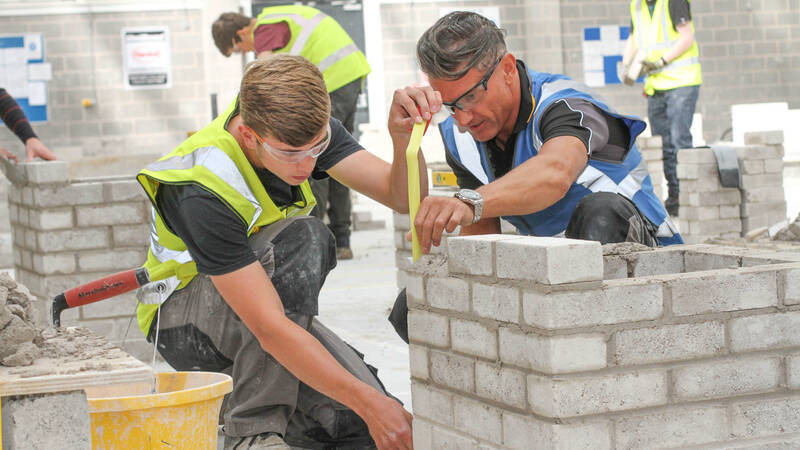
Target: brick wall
523, 340
67, 232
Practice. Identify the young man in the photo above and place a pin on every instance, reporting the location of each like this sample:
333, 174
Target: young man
247, 264
16, 121
537, 149
673, 77
308, 32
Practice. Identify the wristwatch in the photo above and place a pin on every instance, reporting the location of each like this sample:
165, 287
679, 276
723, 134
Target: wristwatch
474, 199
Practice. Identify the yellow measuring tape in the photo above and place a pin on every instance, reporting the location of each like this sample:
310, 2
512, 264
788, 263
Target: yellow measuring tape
412, 164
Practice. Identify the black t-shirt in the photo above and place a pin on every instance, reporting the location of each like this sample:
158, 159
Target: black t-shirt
679, 12
214, 235
605, 137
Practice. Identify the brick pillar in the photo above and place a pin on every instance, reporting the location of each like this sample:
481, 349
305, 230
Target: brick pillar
761, 165
67, 232
650, 147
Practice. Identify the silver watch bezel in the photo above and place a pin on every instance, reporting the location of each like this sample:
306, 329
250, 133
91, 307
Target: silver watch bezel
473, 198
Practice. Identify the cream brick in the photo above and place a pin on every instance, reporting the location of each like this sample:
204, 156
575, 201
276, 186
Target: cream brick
72, 194
501, 384
415, 291
75, 239
793, 370
429, 328
726, 379
431, 403
672, 429
496, 302
448, 293
669, 343
473, 255
626, 300
473, 338
131, 235
549, 260
656, 262
477, 419
520, 431
124, 190
711, 260
115, 214
767, 331
453, 371
418, 361
111, 259
44, 172
51, 218
790, 282
718, 291
422, 434
444, 439
614, 267
767, 417
47, 264
553, 354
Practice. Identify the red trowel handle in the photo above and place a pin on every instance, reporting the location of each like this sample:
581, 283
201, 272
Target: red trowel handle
97, 290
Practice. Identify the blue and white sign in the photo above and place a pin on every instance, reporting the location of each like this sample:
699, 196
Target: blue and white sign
602, 49
24, 74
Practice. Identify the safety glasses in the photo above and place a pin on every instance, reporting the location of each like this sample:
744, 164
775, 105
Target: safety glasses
470, 99
295, 156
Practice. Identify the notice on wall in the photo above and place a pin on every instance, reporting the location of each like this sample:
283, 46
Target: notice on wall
602, 52
24, 74
147, 61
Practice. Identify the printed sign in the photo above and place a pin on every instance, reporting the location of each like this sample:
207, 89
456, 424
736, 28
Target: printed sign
147, 61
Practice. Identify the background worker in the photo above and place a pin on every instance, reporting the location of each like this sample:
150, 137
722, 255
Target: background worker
308, 32
534, 148
664, 29
15, 120
232, 223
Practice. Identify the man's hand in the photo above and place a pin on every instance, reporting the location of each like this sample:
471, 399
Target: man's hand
5, 153
653, 65
389, 424
34, 147
412, 105
437, 214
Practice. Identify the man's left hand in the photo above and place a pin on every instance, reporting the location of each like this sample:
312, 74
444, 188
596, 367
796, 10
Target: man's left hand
439, 214
653, 65
34, 147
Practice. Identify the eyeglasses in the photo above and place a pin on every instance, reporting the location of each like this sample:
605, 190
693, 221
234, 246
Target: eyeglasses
469, 100
295, 156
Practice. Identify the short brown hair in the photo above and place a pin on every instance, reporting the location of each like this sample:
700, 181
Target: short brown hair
284, 97
224, 30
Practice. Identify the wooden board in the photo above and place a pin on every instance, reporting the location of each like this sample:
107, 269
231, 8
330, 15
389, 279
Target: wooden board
73, 359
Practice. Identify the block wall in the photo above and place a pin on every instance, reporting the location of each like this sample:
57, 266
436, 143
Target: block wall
547, 343
67, 232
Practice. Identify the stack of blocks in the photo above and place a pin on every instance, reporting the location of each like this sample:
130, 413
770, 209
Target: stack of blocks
761, 166
524, 342
650, 148
68, 232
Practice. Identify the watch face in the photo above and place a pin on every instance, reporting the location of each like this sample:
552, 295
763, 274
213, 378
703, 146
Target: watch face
470, 194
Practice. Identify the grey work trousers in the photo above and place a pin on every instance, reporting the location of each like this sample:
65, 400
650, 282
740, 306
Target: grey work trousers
199, 331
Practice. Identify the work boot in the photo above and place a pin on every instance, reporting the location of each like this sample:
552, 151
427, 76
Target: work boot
672, 205
265, 441
343, 253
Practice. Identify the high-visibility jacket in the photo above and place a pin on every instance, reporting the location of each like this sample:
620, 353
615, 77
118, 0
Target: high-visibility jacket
321, 40
629, 177
212, 160
656, 35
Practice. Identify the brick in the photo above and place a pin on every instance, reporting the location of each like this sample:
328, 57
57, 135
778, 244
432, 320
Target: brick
669, 343
773, 166
729, 211
418, 361
656, 262
415, 291
429, 328
760, 209
501, 303
124, 190
577, 396
728, 290
453, 371
473, 338
432, 403
696, 156
672, 429
72, 194
715, 227
120, 306
477, 419
697, 171
449, 440
626, 300
694, 213
549, 260
130, 235
762, 152
520, 431
400, 240
51, 219
760, 181
123, 213
80, 239
553, 354
401, 222
763, 137
767, 331
500, 384
706, 184
422, 434
44, 172
752, 166
473, 255
790, 283
727, 378
765, 417
48, 264
54, 420
726, 196
111, 259
770, 194
448, 293
793, 370
28, 196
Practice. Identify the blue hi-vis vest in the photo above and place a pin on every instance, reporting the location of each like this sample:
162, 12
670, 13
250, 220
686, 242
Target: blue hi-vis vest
629, 178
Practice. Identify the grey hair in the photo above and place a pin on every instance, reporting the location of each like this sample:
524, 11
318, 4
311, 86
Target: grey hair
458, 42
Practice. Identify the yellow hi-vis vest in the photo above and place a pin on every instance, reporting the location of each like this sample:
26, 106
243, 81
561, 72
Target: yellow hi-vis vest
656, 35
321, 40
212, 160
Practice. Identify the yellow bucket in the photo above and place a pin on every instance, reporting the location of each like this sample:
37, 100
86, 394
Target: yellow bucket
182, 413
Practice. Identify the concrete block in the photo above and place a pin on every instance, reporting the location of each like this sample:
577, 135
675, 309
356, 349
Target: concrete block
473, 255
519, 432
656, 262
44, 172
428, 328
727, 378
715, 227
501, 303
450, 440
729, 211
672, 429
764, 138
669, 343
422, 434
793, 370
50, 263
751, 166
500, 384
473, 338
766, 331
30, 239
553, 354
457, 372
401, 222
111, 259
72, 194
763, 180
131, 235
771, 194
415, 290
122, 213
696, 156
448, 293
418, 361
765, 208
723, 290
726, 196
47, 421
767, 417
760, 152
549, 260
617, 301
755, 222
28, 196
702, 185
477, 419
790, 282
577, 396
120, 306
400, 240
51, 219
125, 190
75, 239
695, 213
774, 166
614, 267
698, 171
431, 403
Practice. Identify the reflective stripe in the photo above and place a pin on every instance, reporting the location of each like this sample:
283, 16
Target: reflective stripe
634, 181
667, 228
637, 26
157, 292
596, 181
218, 163
334, 57
660, 45
677, 64
664, 32
468, 153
